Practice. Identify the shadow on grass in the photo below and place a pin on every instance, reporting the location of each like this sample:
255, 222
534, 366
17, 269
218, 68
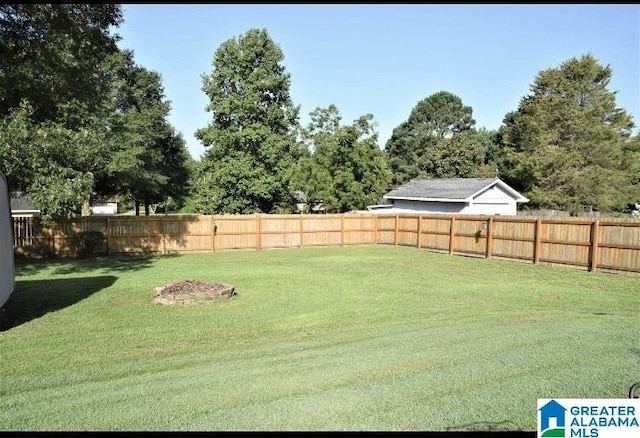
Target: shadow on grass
35, 298
486, 426
102, 264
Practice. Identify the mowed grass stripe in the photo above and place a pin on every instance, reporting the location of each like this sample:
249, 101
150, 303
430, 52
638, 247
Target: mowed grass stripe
353, 338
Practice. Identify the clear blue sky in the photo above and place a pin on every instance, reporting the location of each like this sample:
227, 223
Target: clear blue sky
383, 59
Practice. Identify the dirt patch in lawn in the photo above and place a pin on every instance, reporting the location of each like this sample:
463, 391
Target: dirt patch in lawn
193, 292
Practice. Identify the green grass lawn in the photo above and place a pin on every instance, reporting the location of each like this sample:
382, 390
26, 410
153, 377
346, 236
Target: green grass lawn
351, 338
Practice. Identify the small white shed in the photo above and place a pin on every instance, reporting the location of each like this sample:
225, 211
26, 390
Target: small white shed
7, 280
478, 196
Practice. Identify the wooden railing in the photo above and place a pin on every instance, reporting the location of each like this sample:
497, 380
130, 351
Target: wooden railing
612, 244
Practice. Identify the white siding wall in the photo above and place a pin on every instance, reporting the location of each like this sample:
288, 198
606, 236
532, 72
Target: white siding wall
106, 208
508, 209
490, 202
493, 201
429, 207
6, 245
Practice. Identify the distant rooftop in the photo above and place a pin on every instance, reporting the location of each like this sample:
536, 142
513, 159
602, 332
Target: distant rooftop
447, 188
21, 202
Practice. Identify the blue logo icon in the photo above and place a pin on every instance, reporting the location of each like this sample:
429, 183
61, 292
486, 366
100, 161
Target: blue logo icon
552, 419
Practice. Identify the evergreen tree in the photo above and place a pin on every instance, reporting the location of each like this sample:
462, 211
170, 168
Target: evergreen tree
565, 145
416, 144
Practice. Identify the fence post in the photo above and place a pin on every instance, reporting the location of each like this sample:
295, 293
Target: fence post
395, 233
536, 245
419, 231
593, 250
342, 229
489, 237
375, 229
106, 233
164, 238
53, 239
259, 230
213, 234
452, 233
301, 234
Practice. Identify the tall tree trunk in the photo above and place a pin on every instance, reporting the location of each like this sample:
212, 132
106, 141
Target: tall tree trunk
137, 208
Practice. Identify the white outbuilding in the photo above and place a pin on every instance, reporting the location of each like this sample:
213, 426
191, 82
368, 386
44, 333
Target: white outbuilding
477, 196
7, 280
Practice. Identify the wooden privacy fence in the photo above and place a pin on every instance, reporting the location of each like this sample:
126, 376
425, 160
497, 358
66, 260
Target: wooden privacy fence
587, 243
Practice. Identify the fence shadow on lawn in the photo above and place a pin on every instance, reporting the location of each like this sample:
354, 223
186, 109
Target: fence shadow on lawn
99, 264
32, 299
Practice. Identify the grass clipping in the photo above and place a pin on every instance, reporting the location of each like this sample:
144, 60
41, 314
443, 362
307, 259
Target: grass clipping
193, 292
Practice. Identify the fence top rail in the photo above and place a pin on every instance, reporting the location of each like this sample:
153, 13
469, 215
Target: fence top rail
622, 222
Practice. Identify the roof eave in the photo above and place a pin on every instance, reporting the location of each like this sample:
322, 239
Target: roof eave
414, 198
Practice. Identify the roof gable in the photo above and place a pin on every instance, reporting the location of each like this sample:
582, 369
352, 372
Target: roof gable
449, 189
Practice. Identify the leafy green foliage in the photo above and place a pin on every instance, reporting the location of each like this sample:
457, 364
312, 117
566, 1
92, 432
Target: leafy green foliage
567, 147
464, 155
78, 118
50, 54
251, 138
344, 169
148, 159
439, 140
52, 163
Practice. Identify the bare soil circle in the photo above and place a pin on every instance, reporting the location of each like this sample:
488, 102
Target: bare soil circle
193, 292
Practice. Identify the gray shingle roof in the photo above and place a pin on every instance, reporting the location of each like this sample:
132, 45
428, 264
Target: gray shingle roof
452, 188
20, 202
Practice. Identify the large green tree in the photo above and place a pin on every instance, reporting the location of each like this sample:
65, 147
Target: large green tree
52, 163
51, 55
52, 86
147, 158
469, 154
77, 116
567, 146
251, 139
344, 167
419, 145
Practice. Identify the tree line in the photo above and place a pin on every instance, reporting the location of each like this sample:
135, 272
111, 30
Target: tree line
80, 119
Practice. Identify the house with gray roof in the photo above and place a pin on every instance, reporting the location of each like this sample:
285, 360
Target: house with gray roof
478, 196
21, 205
